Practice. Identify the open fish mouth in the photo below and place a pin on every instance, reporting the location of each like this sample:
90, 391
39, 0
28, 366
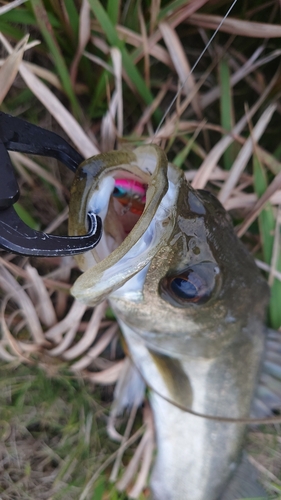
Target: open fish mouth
135, 194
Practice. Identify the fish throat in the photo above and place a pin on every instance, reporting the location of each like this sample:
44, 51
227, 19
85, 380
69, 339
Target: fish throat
125, 207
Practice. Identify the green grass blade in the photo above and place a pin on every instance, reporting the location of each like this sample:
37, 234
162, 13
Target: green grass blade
105, 22
267, 224
14, 101
277, 152
114, 41
97, 106
19, 16
183, 154
226, 110
10, 31
275, 300
99, 489
266, 217
176, 4
50, 39
136, 77
113, 9
73, 16
109, 314
25, 216
25, 16
130, 15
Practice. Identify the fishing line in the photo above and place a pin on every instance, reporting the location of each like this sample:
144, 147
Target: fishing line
227, 420
192, 69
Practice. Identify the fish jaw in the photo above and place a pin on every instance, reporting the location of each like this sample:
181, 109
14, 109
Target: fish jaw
105, 269
196, 457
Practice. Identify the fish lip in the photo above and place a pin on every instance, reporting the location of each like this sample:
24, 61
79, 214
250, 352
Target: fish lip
158, 216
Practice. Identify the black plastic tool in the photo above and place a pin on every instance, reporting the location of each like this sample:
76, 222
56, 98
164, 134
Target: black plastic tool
15, 235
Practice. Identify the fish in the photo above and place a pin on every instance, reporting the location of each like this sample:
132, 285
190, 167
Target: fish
190, 302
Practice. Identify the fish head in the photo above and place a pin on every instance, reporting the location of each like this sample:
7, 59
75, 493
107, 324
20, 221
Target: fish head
169, 259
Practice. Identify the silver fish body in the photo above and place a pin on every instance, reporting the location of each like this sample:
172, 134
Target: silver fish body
190, 302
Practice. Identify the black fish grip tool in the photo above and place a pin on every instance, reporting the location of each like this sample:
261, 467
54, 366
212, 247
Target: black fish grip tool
15, 235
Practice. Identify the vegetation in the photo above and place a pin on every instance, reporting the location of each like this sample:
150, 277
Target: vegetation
102, 74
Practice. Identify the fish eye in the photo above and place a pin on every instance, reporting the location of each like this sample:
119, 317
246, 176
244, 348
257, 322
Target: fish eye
184, 288
196, 284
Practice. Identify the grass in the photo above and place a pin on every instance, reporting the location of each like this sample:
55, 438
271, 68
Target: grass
51, 437
94, 57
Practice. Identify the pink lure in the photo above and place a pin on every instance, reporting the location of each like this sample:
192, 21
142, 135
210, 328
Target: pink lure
131, 194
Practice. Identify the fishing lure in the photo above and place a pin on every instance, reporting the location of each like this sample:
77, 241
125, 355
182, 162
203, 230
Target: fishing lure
131, 194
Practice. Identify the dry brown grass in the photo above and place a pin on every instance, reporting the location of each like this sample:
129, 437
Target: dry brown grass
40, 324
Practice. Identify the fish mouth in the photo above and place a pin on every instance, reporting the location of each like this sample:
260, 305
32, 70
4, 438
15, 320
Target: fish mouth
135, 195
